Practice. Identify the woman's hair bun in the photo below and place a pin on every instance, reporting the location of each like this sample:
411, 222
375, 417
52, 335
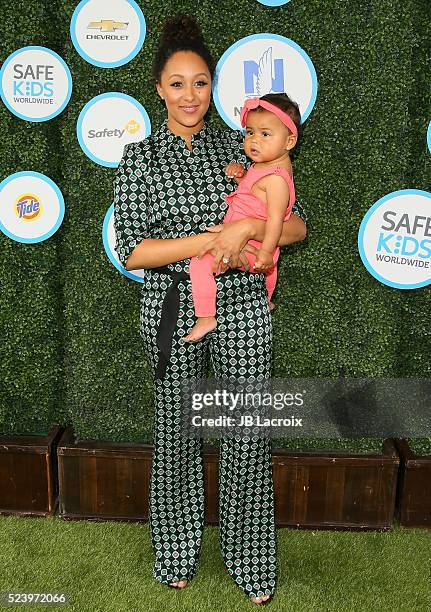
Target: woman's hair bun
180, 33
180, 28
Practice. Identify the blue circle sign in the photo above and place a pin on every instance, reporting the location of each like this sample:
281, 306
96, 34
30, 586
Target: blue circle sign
394, 239
35, 83
260, 64
108, 34
31, 207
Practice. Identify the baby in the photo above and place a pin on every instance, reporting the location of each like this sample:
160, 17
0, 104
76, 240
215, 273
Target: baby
266, 192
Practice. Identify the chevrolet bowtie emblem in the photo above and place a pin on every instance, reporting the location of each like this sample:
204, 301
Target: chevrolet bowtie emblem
108, 25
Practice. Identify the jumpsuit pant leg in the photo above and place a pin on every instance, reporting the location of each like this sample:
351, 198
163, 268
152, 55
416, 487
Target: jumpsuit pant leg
241, 346
177, 477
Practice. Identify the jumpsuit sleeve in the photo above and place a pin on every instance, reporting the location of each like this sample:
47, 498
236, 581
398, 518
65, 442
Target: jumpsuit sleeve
238, 139
131, 204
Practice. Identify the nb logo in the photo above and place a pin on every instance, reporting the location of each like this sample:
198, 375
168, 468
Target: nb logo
264, 76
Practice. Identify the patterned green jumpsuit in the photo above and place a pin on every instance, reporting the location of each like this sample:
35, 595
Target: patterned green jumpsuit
162, 190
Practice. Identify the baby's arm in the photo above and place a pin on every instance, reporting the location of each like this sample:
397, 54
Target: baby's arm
235, 171
277, 196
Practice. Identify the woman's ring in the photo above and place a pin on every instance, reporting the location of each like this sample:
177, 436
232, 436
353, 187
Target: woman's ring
226, 260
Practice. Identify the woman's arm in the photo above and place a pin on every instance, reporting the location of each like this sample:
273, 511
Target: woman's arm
155, 252
229, 235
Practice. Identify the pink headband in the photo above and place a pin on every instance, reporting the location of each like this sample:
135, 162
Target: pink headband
253, 103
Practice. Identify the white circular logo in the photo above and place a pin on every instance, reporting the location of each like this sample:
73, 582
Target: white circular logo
108, 235
107, 123
260, 64
108, 34
35, 83
273, 2
31, 207
395, 239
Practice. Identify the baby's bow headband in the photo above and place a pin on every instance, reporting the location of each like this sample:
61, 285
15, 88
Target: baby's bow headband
253, 103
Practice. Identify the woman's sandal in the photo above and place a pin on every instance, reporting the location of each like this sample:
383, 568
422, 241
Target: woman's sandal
175, 586
263, 603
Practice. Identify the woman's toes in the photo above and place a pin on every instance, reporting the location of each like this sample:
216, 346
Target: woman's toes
182, 583
256, 600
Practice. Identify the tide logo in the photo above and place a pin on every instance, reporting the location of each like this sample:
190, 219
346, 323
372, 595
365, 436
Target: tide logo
28, 207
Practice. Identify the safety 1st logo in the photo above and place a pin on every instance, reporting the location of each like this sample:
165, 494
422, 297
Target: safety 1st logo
395, 239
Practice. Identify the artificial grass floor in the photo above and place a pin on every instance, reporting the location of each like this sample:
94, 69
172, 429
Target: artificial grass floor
107, 566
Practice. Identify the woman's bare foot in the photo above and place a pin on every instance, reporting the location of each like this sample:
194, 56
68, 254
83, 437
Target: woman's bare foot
203, 326
260, 599
271, 305
180, 585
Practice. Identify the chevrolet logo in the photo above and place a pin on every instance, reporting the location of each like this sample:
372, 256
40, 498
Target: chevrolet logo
108, 25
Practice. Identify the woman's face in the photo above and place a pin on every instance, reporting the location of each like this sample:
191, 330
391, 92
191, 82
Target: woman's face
185, 86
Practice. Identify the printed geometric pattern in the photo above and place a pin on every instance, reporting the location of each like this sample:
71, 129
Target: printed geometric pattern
163, 190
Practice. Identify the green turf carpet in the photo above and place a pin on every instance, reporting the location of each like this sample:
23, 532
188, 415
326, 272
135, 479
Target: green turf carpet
107, 567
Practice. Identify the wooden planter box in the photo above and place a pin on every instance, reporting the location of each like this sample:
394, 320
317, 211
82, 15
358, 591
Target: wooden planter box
100, 480
28, 474
336, 490
414, 490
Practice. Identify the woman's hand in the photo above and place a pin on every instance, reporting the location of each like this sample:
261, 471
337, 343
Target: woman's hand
228, 242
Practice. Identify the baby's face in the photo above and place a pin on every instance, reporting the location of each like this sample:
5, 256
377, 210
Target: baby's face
266, 137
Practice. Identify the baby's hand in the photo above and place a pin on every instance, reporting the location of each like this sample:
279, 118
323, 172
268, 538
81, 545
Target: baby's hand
264, 261
236, 171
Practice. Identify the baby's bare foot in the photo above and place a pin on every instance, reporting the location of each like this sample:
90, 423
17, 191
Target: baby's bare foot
271, 305
202, 327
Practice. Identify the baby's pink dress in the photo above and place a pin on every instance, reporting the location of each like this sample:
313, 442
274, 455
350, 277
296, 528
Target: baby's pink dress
242, 203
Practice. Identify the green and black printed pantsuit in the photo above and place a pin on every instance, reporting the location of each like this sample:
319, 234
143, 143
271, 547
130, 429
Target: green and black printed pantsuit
163, 190
240, 346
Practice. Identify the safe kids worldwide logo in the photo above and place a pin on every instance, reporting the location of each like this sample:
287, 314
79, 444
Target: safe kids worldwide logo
107, 123
395, 239
108, 34
31, 207
260, 64
35, 83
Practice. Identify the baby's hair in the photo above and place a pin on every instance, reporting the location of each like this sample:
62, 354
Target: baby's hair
283, 102
181, 33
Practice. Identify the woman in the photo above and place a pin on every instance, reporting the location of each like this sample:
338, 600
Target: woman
168, 189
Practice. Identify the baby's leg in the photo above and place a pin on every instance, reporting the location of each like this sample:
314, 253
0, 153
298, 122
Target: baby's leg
204, 291
271, 276
271, 281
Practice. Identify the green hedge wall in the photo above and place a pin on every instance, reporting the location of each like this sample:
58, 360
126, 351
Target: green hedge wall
365, 137
31, 347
